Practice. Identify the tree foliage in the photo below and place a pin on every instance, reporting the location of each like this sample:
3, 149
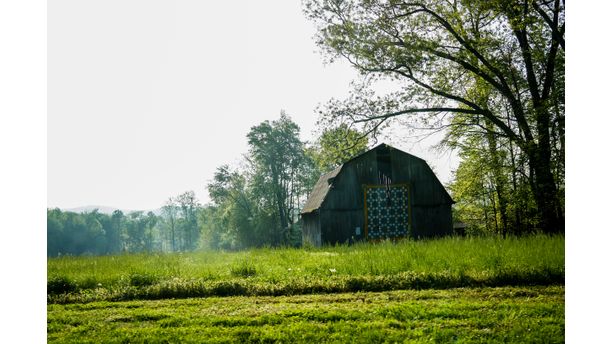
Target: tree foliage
177, 228
485, 67
280, 172
335, 145
260, 204
231, 218
188, 207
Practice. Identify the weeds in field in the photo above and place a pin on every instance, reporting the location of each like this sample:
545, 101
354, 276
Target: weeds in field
60, 285
442, 263
142, 280
244, 269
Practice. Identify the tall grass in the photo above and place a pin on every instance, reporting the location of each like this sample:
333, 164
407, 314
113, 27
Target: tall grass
447, 262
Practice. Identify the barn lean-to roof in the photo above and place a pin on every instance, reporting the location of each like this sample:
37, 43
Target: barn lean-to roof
321, 188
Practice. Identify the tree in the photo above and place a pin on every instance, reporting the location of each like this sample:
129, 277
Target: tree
280, 172
115, 232
258, 204
169, 218
95, 224
139, 235
97, 233
234, 211
438, 51
55, 232
214, 232
188, 206
149, 237
336, 145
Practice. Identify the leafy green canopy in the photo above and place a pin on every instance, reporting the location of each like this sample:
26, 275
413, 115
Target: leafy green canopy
176, 228
260, 204
496, 66
335, 145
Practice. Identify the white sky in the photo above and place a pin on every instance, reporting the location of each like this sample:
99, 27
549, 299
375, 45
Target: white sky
147, 98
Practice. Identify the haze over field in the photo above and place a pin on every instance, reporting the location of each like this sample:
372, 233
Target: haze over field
147, 98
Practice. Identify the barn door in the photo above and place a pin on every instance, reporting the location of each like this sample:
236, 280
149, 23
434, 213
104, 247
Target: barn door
387, 211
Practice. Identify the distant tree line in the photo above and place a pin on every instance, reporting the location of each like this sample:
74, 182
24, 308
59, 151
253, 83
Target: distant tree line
255, 204
175, 229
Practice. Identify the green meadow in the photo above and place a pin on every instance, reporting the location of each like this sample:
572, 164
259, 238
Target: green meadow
466, 315
442, 263
445, 290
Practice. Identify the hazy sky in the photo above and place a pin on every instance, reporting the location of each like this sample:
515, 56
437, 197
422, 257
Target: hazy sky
147, 98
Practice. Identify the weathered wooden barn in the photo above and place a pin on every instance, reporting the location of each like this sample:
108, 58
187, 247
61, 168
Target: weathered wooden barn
382, 193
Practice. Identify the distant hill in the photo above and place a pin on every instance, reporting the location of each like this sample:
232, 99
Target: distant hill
107, 210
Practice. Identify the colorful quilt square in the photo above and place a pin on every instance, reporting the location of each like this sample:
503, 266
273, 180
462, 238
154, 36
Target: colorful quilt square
387, 212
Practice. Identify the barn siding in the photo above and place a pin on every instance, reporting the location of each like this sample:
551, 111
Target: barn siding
347, 190
426, 189
338, 227
311, 229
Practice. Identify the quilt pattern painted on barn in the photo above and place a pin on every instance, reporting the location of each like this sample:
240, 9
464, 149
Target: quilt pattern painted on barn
387, 211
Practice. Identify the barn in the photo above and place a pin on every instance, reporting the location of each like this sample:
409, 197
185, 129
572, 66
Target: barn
384, 193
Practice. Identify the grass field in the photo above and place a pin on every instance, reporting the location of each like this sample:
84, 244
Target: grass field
479, 315
443, 263
445, 290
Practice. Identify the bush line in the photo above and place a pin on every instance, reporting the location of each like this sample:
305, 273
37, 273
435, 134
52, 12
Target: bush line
62, 291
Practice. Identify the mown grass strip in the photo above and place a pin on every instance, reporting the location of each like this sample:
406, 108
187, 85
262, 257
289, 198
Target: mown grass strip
467, 315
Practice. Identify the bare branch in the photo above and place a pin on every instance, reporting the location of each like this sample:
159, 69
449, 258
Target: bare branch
553, 24
403, 112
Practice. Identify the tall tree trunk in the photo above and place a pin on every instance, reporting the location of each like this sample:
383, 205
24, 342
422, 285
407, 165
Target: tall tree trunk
172, 235
545, 189
500, 184
491, 194
281, 213
517, 200
280, 204
484, 202
539, 154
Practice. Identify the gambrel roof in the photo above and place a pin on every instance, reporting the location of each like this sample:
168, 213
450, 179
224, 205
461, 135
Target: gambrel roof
324, 184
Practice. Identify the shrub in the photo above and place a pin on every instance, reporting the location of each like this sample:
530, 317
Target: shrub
142, 280
60, 285
244, 269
